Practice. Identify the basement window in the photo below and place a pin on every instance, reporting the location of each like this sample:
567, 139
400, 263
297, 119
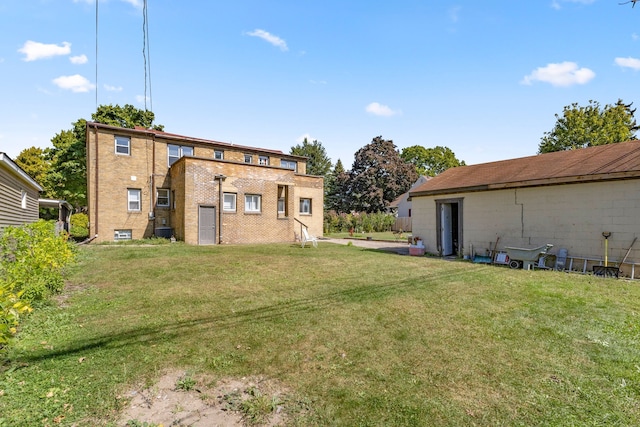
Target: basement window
122, 235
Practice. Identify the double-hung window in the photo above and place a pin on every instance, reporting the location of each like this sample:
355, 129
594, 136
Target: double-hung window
123, 145
289, 164
305, 206
163, 198
263, 160
229, 202
134, 199
282, 200
252, 203
176, 151
248, 158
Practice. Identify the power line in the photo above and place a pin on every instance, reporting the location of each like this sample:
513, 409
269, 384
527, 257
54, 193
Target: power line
96, 55
146, 54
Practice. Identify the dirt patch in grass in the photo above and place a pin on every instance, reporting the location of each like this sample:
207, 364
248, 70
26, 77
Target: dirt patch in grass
179, 399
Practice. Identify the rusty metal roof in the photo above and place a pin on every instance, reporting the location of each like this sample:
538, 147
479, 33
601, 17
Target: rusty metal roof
604, 162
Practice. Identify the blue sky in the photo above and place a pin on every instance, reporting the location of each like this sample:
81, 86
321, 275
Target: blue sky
484, 78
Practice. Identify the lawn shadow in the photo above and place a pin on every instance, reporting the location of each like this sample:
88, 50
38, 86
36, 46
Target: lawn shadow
152, 334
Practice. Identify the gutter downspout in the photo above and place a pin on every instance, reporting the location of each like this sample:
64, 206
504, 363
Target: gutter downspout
220, 178
95, 132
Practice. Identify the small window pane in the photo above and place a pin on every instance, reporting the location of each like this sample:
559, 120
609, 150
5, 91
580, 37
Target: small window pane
174, 153
252, 203
218, 155
162, 199
281, 205
187, 151
263, 160
24, 199
122, 145
229, 203
248, 158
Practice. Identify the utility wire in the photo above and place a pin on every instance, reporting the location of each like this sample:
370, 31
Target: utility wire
97, 55
146, 54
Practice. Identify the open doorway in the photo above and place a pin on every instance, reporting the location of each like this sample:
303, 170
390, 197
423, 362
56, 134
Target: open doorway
449, 226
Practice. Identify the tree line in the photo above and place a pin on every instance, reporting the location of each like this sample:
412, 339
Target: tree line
379, 174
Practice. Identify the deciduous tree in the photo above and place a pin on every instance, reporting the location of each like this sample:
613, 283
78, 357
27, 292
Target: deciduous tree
430, 161
580, 127
378, 176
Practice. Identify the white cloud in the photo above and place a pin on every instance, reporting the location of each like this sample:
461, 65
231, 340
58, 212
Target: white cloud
634, 37
629, 62
318, 82
109, 88
454, 13
34, 50
380, 110
301, 138
269, 38
562, 74
557, 4
75, 83
78, 60
135, 3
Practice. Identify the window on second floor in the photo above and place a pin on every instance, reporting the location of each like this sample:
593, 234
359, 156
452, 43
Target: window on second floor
163, 198
248, 158
134, 200
263, 160
123, 145
174, 152
289, 164
218, 155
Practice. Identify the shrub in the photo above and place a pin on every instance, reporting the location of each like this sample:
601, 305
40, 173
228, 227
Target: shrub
33, 258
79, 226
12, 306
359, 222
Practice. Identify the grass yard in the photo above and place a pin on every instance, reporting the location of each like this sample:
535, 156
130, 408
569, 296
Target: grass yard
356, 337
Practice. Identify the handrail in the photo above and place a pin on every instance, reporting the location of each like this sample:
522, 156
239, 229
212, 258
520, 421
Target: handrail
302, 223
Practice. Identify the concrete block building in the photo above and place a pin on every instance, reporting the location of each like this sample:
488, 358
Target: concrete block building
567, 199
144, 183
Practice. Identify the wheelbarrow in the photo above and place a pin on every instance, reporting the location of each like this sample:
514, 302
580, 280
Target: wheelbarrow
526, 257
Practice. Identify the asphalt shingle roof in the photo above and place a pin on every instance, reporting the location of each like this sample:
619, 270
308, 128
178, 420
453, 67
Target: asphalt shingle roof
612, 161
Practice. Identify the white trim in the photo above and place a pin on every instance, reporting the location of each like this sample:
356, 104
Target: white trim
17, 170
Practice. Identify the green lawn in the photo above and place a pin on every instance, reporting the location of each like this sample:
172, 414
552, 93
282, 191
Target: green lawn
358, 337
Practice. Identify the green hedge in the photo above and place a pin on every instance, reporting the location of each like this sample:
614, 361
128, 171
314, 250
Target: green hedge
358, 222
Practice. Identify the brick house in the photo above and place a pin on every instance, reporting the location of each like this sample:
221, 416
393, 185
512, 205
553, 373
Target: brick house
18, 195
144, 183
567, 199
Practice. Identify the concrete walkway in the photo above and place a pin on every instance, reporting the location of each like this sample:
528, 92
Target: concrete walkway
401, 248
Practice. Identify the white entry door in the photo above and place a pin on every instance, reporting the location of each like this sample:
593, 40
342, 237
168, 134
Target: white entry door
446, 229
